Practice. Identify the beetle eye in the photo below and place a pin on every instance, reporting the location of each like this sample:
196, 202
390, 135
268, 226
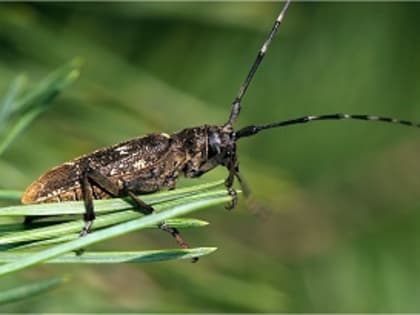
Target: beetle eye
214, 144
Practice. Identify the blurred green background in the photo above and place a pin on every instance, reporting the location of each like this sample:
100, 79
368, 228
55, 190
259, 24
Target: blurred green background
343, 234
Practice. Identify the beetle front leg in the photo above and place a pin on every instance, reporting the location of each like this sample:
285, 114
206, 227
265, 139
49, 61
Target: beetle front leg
193, 172
231, 191
251, 203
234, 172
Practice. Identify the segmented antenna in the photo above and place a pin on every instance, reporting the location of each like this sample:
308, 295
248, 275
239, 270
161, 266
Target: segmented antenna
252, 130
236, 105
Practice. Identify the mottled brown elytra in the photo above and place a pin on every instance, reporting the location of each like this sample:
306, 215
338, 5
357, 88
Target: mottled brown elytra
154, 162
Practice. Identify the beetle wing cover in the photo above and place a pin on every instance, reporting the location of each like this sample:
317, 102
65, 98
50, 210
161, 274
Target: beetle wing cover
51, 184
63, 182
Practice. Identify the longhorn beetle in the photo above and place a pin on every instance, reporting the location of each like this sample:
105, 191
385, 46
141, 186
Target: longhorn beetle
153, 162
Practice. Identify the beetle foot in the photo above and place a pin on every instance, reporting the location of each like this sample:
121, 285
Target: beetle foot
232, 204
86, 229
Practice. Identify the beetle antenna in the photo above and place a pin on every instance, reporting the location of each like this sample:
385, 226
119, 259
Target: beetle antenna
252, 130
236, 104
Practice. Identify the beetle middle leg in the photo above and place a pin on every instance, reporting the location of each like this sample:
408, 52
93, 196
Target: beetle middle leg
89, 215
135, 185
96, 178
251, 203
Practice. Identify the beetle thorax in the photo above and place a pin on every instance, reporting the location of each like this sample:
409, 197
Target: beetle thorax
205, 148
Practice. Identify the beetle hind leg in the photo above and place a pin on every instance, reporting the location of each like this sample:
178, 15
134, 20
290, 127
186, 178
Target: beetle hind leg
177, 236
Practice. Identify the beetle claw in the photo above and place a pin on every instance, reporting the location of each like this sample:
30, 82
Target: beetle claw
232, 204
86, 229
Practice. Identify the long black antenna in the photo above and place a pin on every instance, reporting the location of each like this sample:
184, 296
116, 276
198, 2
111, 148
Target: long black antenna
252, 130
236, 105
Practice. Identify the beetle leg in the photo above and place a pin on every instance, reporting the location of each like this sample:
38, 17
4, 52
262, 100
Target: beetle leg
231, 191
253, 205
228, 182
193, 172
174, 232
89, 215
129, 187
177, 236
106, 184
244, 185
92, 176
103, 182
234, 195
140, 204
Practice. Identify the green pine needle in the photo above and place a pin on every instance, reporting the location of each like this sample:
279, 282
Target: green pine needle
29, 290
118, 257
60, 239
56, 232
101, 206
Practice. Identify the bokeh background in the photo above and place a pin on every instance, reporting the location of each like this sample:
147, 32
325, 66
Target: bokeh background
343, 234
